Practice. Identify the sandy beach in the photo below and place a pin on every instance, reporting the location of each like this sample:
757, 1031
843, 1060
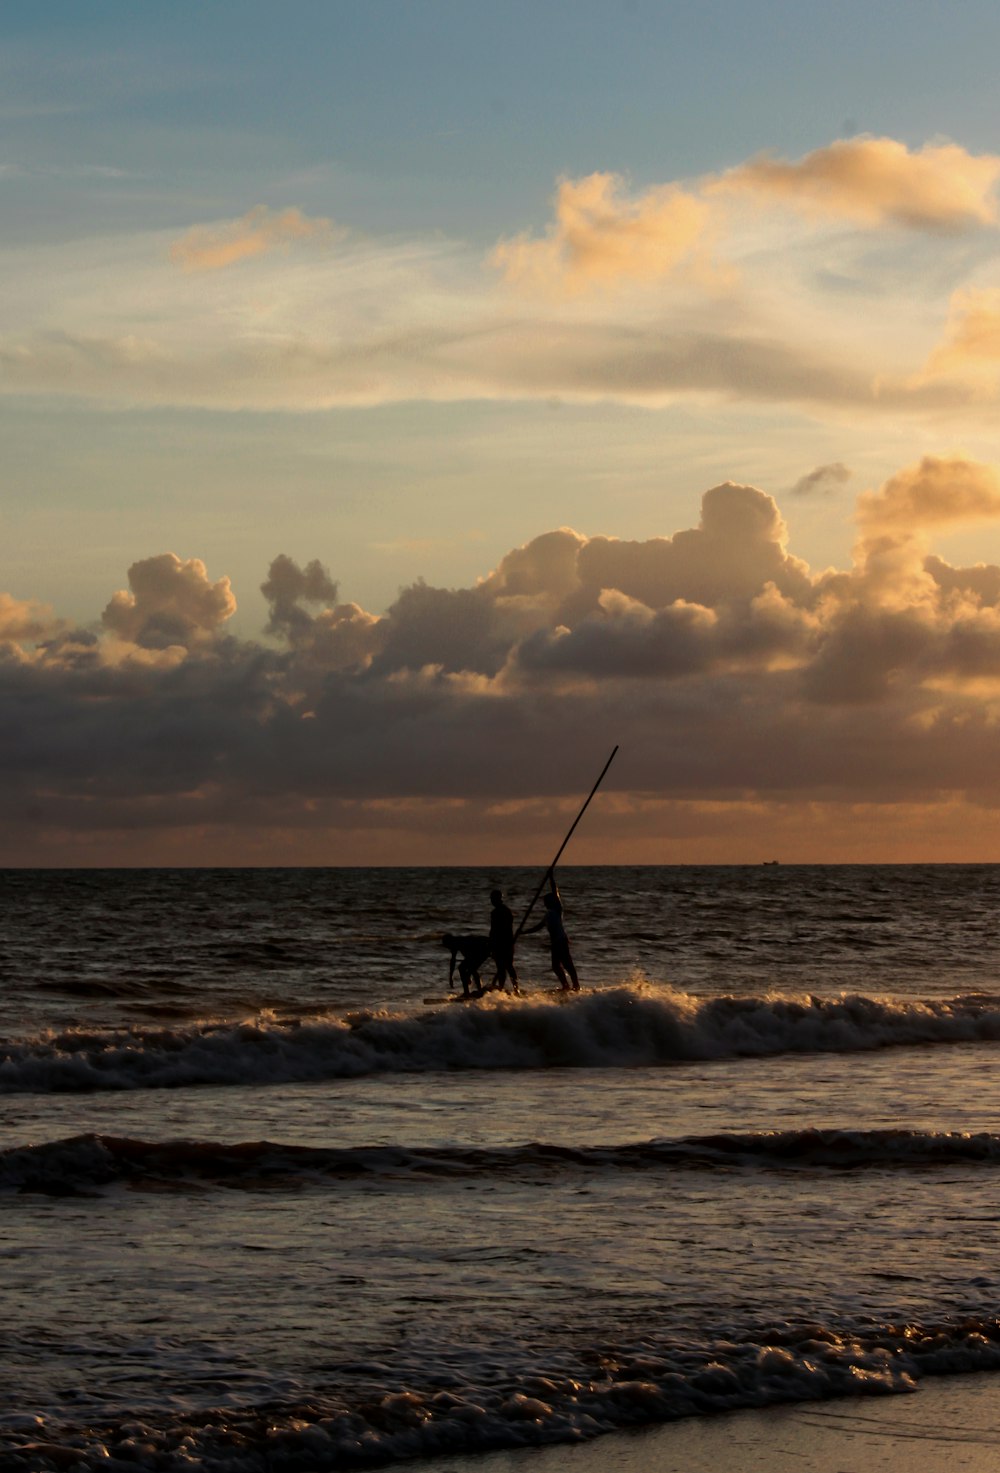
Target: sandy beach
947, 1425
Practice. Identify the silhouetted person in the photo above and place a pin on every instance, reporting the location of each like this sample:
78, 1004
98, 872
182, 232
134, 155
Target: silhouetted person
474, 950
502, 941
562, 961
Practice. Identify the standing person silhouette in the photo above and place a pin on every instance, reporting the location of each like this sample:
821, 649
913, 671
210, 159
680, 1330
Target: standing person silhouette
552, 920
502, 941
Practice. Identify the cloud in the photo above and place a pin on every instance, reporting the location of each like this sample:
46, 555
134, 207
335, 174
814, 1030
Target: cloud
903, 613
386, 321
650, 364
735, 552
25, 620
822, 479
878, 181
729, 671
602, 235
259, 231
169, 603
981, 581
336, 636
972, 342
938, 492
288, 586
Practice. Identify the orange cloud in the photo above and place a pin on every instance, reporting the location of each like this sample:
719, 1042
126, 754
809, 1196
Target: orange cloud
602, 235
972, 343
940, 491
735, 674
878, 181
169, 603
25, 619
892, 567
211, 247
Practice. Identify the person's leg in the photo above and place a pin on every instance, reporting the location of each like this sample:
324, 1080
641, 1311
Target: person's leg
566, 966
479, 959
567, 962
505, 969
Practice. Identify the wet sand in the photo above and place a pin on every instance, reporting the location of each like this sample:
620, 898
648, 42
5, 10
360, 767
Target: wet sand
949, 1425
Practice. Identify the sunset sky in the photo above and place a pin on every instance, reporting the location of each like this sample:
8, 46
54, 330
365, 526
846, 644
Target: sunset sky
404, 401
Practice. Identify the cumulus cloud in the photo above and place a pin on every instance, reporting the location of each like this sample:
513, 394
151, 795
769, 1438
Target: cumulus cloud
169, 602
822, 479
335, 635
877, 181
601, 234
981, 581
903, 615
540, 574
288, 586
738, 548
260, 230
729, 671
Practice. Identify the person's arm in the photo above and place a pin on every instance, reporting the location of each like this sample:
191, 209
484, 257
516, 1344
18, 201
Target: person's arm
451, 969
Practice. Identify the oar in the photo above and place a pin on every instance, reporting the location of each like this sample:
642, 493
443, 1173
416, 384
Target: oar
562, 846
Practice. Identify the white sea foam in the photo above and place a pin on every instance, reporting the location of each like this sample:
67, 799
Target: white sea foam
619, 1027
627, 1386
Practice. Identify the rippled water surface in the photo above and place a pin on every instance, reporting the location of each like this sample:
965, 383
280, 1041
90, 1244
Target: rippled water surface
288, 1213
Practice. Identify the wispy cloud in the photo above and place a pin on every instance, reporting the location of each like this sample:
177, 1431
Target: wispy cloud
626, 303
822, 479
260, 230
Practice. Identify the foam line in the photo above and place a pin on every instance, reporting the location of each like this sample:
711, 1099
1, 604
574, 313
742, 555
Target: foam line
620, 1027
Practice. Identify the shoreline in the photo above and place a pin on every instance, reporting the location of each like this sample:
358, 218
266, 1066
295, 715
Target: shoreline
948, 1423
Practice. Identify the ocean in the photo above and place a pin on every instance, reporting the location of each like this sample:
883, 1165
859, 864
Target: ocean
263, 1206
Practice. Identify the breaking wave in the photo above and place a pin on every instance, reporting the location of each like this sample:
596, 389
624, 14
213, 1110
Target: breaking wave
373, 1420
620, 1027
85, 1163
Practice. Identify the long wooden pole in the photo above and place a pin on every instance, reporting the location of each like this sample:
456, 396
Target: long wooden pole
562, 846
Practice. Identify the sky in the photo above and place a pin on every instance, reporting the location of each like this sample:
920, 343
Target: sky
402, 402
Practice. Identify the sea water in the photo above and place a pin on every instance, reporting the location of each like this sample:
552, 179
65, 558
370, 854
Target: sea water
264, 1207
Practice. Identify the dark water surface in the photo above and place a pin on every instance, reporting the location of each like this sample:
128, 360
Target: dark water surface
261, 1207
117, 945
